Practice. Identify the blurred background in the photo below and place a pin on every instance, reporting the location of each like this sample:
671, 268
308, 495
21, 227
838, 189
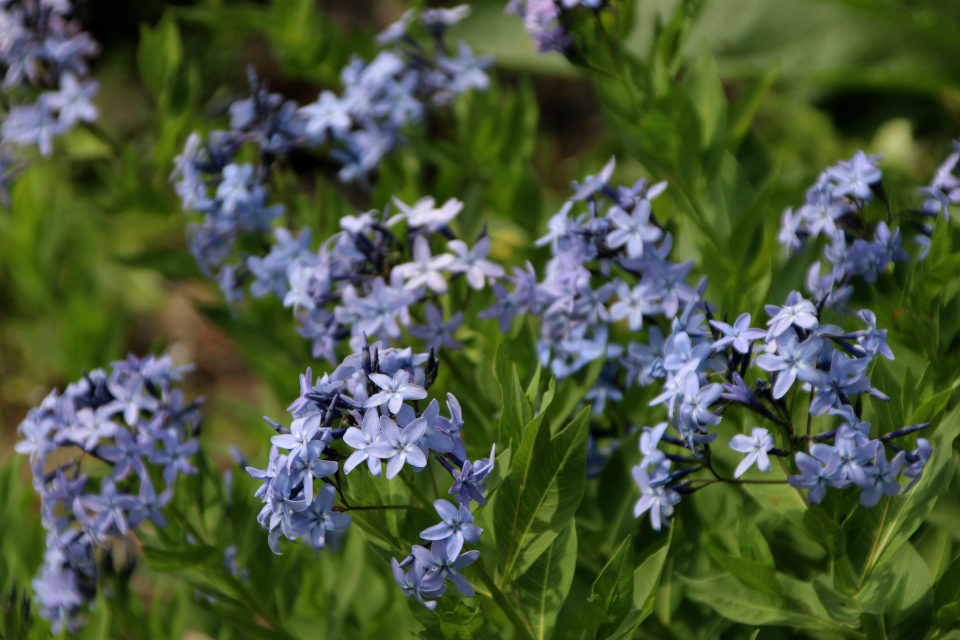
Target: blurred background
93, 259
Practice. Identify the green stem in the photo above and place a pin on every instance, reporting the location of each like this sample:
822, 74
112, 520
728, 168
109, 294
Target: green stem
503, 603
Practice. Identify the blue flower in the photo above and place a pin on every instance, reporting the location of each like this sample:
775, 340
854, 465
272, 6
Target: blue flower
473, 262
469, 481
880, 478
395, 391
791, 235
697, 401
129, 399
457, 527
595, 183
655, 498
359, 439
111, 507
634, 303
633, 229
175, 457
411, 583
793, 360
437, 333
127, 452
795, 312
399, 446
920, 456
328, 115
756, 447
740, 334
855, 176
815, 477
317, 519
874, 340
847, 458
441, 565
425, 270
305, 433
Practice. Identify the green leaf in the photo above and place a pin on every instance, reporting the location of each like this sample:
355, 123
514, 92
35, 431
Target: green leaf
540, 494
734, 600
543, 588
754, 574
874, 535
744, 110
932, 408
612, 596
646, 577
451, 620
889, 412
752, 544
516, 407
948, 615
946, 596
159, 54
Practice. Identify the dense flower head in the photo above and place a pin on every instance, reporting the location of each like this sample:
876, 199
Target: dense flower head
381, 99
134, 423
618, 237
854, 246
44, 62
370, 401
797, 359
352, 285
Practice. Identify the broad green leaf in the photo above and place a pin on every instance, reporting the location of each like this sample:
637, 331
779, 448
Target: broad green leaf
543, 588
753, 546
839, 607
754, 574
734, 600
931, 409
646, 577
909, 611
540, 494
948, 615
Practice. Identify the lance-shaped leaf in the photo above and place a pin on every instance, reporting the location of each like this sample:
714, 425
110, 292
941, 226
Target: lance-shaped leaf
611, 601
516, 407
540, 494
543, 588
874, 535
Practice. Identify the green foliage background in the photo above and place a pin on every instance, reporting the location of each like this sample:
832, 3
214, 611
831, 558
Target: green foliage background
739, 103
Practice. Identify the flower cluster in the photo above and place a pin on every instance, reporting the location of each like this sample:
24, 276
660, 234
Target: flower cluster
943, 191
135, 423
796, 352
609, 264
376, 393
381, 99
543, 20
836, 208
43, 57
352, 287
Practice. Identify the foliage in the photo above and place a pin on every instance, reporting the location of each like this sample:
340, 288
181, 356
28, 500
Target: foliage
738, 106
